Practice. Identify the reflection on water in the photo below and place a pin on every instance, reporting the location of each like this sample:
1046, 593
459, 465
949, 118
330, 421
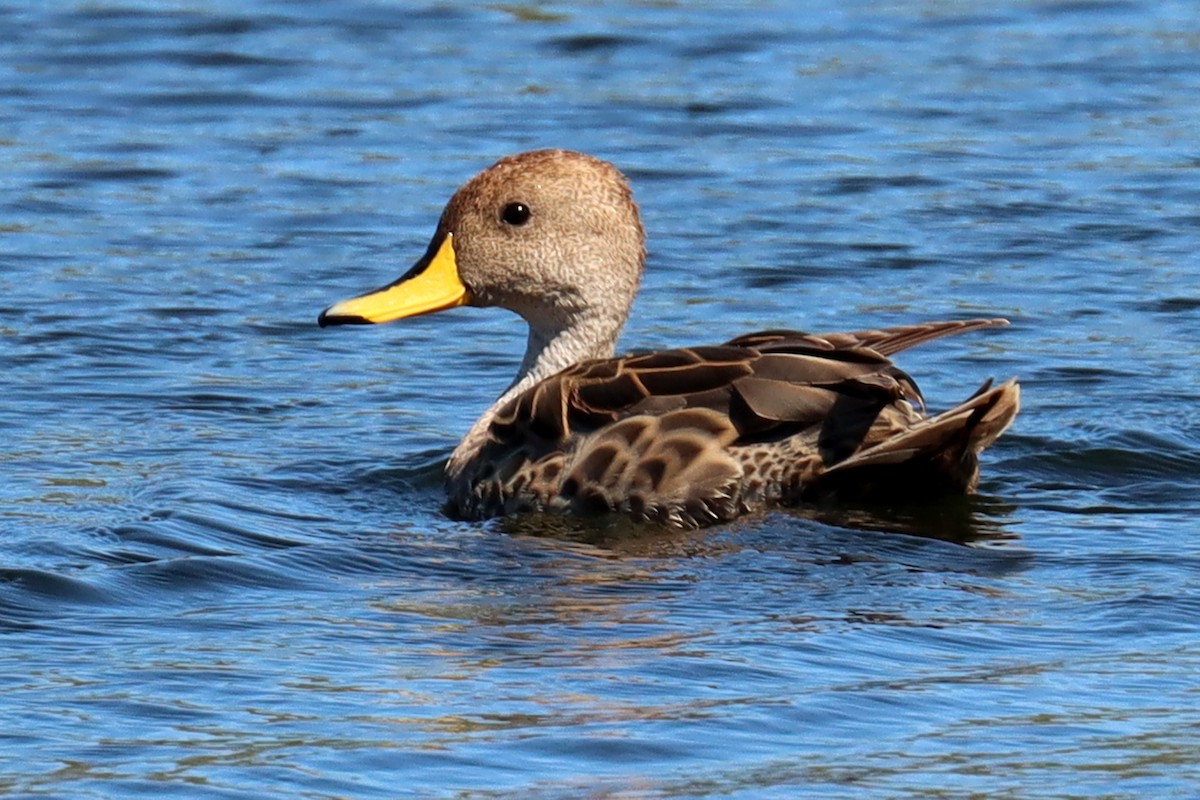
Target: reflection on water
223, 566
962, 520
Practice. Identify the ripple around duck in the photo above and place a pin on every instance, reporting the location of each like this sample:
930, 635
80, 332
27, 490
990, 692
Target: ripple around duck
1127, 472
1126, 458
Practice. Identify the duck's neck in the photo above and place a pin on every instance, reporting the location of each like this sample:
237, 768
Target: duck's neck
549, 350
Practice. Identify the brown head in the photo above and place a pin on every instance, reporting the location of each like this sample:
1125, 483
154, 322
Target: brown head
553, 235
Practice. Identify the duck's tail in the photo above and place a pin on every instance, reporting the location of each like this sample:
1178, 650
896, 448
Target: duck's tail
935, 456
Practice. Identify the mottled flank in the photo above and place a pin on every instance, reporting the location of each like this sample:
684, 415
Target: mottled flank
684, 437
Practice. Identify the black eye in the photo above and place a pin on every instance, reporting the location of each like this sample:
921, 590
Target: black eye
515, 214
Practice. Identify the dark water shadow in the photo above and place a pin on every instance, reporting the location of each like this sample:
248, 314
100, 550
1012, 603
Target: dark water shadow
963, 520
967, 521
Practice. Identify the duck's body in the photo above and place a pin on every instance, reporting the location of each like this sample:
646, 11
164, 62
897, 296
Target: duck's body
684, 437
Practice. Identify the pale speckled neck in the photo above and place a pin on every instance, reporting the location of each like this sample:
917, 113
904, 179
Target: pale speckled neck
547, 353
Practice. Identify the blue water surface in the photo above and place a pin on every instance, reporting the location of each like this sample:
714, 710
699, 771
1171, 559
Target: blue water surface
224, 571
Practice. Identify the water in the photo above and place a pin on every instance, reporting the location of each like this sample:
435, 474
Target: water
223, 570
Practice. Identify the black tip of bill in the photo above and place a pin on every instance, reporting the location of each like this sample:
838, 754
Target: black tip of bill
325, 319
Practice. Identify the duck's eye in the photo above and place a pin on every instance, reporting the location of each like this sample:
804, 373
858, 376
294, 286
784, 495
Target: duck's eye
515, 214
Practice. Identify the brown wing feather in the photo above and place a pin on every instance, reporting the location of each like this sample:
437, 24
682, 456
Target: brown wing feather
758, 391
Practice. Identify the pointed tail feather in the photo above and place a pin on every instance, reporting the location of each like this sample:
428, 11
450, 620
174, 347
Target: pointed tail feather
937, 455
890, 341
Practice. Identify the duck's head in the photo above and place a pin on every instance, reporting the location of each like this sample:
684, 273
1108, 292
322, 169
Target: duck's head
553, 235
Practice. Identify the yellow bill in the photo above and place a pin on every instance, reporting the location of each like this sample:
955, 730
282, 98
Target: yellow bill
431, 285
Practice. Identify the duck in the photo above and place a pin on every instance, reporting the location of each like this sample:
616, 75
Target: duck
683, 437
